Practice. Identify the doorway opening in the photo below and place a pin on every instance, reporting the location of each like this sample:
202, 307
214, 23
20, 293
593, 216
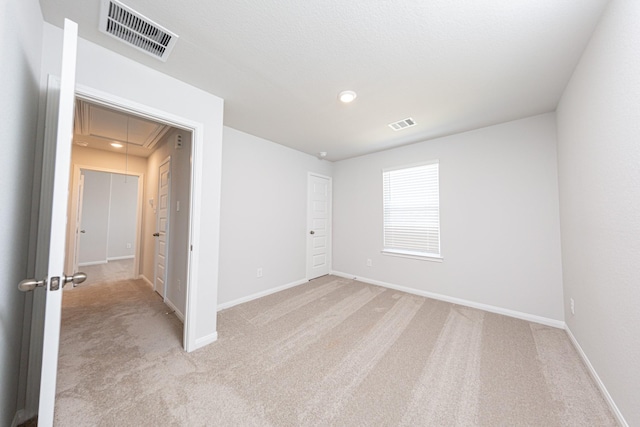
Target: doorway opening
117, 155
105, 223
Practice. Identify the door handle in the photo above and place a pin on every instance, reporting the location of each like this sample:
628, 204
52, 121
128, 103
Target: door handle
156, 234
83, 231
76, 279
312, 232
30, 284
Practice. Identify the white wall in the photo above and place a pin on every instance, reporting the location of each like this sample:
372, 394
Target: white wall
95, 218
499, 218
264, 202
178, 243
20, 49
106, 71
123, 206
599, 176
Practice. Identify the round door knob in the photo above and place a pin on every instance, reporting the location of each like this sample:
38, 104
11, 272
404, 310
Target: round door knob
30, 284
83, 231
76, 279
312, 232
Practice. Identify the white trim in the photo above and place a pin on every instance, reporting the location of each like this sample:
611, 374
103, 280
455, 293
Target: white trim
190, 342
596, 378
486, 307
195, 189
86, 264
204, 341
118, 258
261, 294
147, 281
173, 307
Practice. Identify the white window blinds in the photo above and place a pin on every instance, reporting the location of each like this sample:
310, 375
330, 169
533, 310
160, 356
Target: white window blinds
412, 210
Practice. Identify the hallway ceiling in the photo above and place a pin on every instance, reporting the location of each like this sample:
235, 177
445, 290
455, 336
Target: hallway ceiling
451, 65
96, 126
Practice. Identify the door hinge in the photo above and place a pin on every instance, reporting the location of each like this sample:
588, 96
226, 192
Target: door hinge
191, 248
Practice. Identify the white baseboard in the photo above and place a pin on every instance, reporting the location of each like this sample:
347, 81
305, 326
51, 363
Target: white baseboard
175, 309
596, 378
143, 277
86, 264
118, 258
490, 308
261, 294
206, 340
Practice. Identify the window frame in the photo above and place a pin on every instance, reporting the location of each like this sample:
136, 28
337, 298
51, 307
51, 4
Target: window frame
409, 253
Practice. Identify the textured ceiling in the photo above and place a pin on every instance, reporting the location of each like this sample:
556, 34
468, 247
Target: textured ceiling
451, 65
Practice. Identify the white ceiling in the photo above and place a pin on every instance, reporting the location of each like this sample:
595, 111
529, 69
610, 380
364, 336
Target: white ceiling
451, 65
96, 126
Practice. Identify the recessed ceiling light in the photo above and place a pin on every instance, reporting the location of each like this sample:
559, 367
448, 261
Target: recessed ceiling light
116, 145
347, 96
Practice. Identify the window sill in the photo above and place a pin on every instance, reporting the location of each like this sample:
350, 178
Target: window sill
412, 255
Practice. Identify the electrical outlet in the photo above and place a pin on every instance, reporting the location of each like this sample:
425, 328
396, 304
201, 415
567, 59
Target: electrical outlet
573, 306
128, 245
259, 272
369, 263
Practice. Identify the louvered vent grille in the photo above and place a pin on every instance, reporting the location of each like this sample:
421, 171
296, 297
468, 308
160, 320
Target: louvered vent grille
133, 28
402, 124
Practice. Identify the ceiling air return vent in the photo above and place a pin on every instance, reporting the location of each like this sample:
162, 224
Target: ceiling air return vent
133, 28
402, 124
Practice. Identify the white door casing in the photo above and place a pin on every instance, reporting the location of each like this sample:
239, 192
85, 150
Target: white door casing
50, 250
190, 340
162, 226
318, 225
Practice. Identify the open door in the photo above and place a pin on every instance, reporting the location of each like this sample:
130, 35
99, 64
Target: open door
50, 251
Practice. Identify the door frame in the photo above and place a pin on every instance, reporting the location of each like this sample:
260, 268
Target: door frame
197, 167
72, 249
329, 224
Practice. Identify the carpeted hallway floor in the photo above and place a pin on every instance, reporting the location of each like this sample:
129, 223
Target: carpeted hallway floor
330, 352
121, 269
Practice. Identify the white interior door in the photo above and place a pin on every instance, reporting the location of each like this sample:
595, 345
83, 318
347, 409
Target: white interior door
318, 226
162, 226
50, 251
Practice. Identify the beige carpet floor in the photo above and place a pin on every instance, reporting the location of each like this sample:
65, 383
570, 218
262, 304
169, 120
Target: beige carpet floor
121, 269
330, 352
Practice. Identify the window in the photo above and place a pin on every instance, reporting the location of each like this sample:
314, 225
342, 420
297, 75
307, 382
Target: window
412, 211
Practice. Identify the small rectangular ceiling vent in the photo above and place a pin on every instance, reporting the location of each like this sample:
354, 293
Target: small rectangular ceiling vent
402, 124
133, 28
